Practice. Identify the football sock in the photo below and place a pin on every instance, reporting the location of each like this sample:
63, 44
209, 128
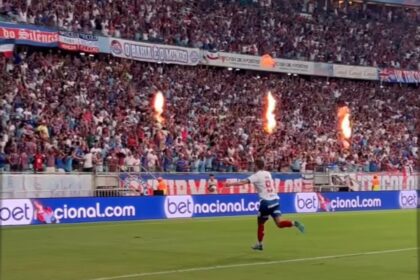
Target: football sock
260, 233
285, 224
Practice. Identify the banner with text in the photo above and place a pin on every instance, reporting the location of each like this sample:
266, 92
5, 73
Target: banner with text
252, 62
360, 181
399, 76
105, 209
154, 52
189, 184
45, 185
73, 41
355, 72
29, 34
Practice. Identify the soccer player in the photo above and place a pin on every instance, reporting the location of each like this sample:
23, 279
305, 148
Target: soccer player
269, 202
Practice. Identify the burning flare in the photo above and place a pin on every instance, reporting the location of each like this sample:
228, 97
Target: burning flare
343, 115
158, 104
270, 118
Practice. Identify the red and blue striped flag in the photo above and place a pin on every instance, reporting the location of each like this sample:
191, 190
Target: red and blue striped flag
7, 46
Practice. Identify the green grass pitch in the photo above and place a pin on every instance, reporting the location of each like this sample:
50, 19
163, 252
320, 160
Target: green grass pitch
359, 245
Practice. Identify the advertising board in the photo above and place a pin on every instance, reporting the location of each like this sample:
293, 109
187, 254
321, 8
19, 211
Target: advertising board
105, 209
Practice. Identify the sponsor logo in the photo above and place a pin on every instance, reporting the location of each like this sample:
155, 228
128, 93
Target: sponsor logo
324, 203
194, 57
16, 212
316, 202
179, 206
44, 214
357, 202
212, 56
116, 47
93, 212
226, 207
27, 211
185, 207
306, 202
408, 199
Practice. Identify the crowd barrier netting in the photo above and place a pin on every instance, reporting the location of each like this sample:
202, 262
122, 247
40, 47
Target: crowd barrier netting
101, 209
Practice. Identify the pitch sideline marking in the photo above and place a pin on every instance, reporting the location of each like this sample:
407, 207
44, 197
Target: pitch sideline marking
216, 267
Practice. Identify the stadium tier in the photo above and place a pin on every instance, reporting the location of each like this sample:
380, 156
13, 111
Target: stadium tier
209, 139
316, 30
66, 112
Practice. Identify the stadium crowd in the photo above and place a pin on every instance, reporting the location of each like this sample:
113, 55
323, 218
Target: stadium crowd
62, 112
357, 34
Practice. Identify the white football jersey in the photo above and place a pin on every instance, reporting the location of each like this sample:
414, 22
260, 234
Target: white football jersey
264, 184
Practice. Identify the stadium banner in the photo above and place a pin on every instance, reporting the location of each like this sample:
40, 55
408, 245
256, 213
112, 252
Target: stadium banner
105, 209
252, 62
399, 76
355, 72
103, 44
355, 201
196, 183
33, 35
323, 69
45, 185
157, 53
361, 181
73, 41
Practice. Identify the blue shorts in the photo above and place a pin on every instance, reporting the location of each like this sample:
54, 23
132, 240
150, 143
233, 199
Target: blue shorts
269, 208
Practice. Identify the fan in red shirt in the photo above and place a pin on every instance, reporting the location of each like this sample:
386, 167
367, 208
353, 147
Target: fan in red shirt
39, 162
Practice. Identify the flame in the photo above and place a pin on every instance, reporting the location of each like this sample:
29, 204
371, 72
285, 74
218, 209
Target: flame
158, 104
267, 61
344, 126
270, 118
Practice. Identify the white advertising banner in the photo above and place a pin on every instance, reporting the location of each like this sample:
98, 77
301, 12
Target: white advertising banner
360, 181
154, 52
355, 72
252, 62
45, 185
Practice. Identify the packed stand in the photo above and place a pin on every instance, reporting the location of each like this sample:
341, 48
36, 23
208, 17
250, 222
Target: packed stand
63, 113
357, 34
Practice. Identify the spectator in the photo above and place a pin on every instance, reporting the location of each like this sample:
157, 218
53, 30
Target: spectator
87, 161
374, 35
39, 161
3, 161
212, 118
151, 160
98, 161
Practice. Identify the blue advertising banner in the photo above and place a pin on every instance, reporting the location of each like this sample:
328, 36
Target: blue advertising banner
102, 209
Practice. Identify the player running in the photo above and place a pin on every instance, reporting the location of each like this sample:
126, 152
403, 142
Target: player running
269, 202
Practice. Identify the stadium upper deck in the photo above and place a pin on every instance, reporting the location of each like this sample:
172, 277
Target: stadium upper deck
357, 34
